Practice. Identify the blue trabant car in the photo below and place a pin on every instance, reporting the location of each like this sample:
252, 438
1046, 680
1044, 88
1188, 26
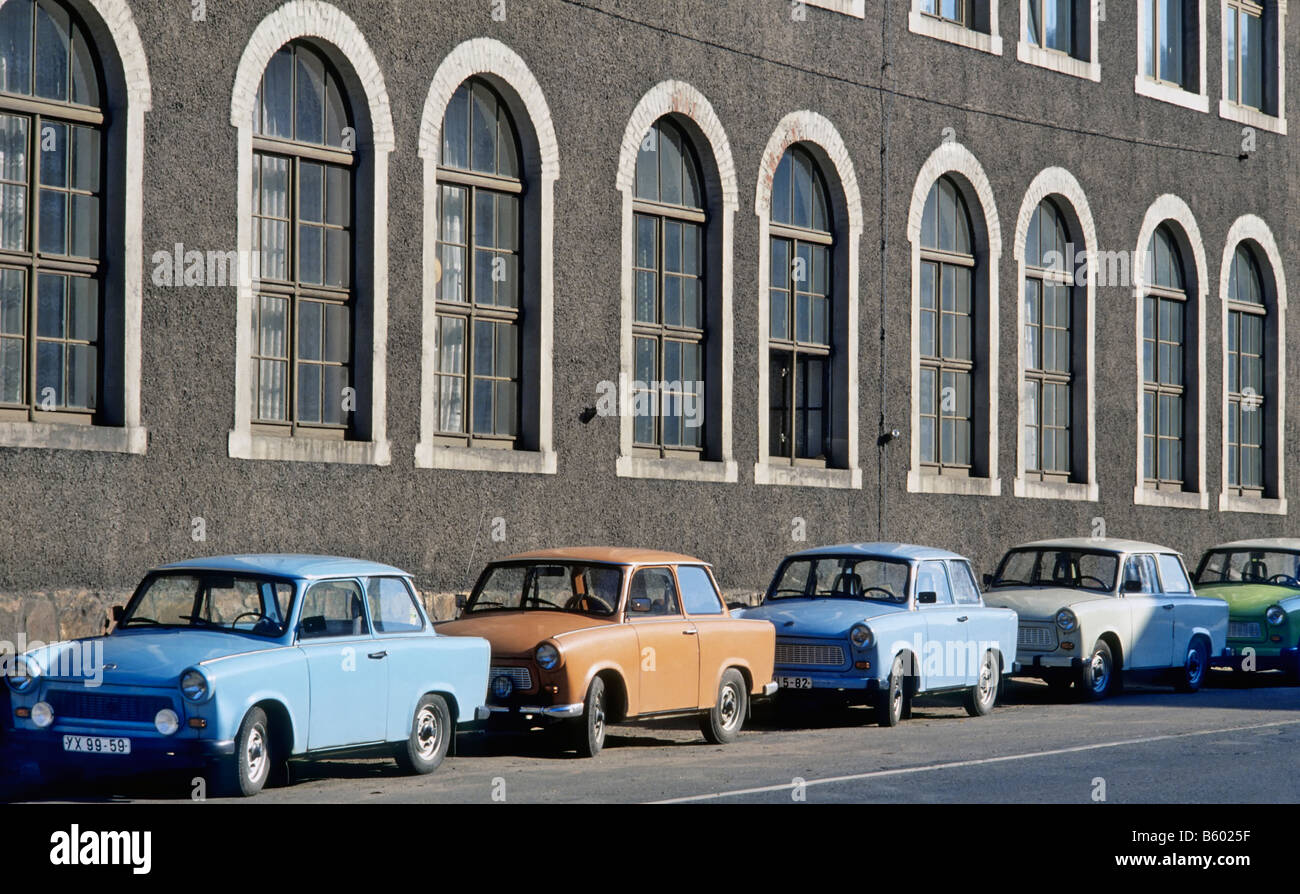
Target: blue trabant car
880, 623
239, 663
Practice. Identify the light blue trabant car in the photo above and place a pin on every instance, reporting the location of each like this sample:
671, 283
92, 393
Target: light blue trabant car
879, 623
239, 663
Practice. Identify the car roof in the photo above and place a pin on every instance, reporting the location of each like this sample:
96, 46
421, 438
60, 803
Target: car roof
1105, 544
302, 566
905, 551
1283, 543
616, 555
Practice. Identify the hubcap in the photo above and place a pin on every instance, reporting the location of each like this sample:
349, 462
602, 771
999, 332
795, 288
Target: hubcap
896, 697
1195, 667
255, 754
427, 732
1100, 671
986, 680
729, 706
598, 718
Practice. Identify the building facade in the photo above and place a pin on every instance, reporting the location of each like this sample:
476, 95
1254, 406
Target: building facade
435, 282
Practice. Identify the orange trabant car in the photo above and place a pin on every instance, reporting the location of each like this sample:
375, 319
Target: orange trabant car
585, 637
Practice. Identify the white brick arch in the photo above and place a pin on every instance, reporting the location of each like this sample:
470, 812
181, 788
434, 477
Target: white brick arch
820, 137
954, 160
1172, 210
1072, 202
120, 27
1253, 230
511, 77
337, 37
313, 18
693, 111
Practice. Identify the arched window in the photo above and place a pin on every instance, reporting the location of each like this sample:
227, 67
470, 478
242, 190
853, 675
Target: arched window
1248, 400
304, 170
1164, 340
1048, 420
52, 162
800, 334
479, 295
668, 327
947, 318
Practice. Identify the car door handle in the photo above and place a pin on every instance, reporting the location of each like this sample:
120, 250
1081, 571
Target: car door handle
689, 632
377, 655
963, 619
1168, 607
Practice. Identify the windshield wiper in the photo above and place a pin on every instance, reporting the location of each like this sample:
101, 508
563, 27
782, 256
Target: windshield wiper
1009, 582
129, 621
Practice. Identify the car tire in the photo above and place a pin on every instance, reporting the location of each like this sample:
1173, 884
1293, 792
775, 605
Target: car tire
429, 739
589, 729
981, 697
1097, 675
246, 772
892, 704
723, 722
1195, 667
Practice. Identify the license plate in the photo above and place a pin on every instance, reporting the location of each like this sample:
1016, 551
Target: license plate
96, 745
794, 682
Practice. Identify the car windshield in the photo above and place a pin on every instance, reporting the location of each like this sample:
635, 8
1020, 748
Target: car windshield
1250, 566
548, 586
212, 601
1076, 568
841, 577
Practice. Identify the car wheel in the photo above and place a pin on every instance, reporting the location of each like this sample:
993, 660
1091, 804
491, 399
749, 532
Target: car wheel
721, 723
1097, 676
246, 771
1194, 668
430, 737
981, 697
589, 729
891, 704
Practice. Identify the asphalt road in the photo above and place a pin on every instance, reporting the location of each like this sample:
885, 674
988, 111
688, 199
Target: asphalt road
1235, 741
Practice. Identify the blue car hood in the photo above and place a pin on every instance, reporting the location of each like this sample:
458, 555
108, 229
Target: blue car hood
819, 617
145, 657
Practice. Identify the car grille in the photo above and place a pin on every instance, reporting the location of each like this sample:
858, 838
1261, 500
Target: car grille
520, 677
1244, 630
806, 654
101, 706
1039, 639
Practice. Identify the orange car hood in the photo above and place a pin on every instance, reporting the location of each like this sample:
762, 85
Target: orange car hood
518, 633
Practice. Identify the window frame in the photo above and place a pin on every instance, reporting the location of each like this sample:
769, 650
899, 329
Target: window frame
978, 29
1271, 114
1193, 93
1161, 294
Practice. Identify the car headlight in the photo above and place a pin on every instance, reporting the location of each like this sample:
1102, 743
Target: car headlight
24, 675
166, 721
1275, 616
1066, 620
42, 714
194, 686
548, 657
861, 636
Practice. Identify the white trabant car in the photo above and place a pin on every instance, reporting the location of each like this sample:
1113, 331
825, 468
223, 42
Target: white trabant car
1095, 609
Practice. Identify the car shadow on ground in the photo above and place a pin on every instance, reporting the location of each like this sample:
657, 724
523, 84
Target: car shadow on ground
1215, 693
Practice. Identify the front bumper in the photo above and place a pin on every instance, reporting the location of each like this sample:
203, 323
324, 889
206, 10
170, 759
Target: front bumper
1264, 656
1039, 664
147, 752
824, 680
554, 712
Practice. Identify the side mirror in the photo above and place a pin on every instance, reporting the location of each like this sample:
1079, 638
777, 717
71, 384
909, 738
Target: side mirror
1132, 586
988, 580
461, 600
929, 597
639, 604
732, 606
119, 612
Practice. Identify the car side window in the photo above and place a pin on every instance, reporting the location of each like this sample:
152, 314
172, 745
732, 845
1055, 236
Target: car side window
931, 578
392, 607
655, 586
964, 591
698, 594
1143, 570
332, 608
1172, 576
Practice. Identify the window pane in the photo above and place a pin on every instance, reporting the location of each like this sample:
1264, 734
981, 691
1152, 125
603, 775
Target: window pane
54, 222
311, 98
455, 130
670, 167
49, 374
85, 83
451, 345
83, 309
1171, 40
483, 130
781, 186
309, 254
309, 396
16, 48
11, 370
51, 294
277, 96
85, 227
273, 329
647, 167
13, 288
803, 188
52, 45
1252, 57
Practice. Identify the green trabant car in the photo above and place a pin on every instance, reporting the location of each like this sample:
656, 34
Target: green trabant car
1260, 581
